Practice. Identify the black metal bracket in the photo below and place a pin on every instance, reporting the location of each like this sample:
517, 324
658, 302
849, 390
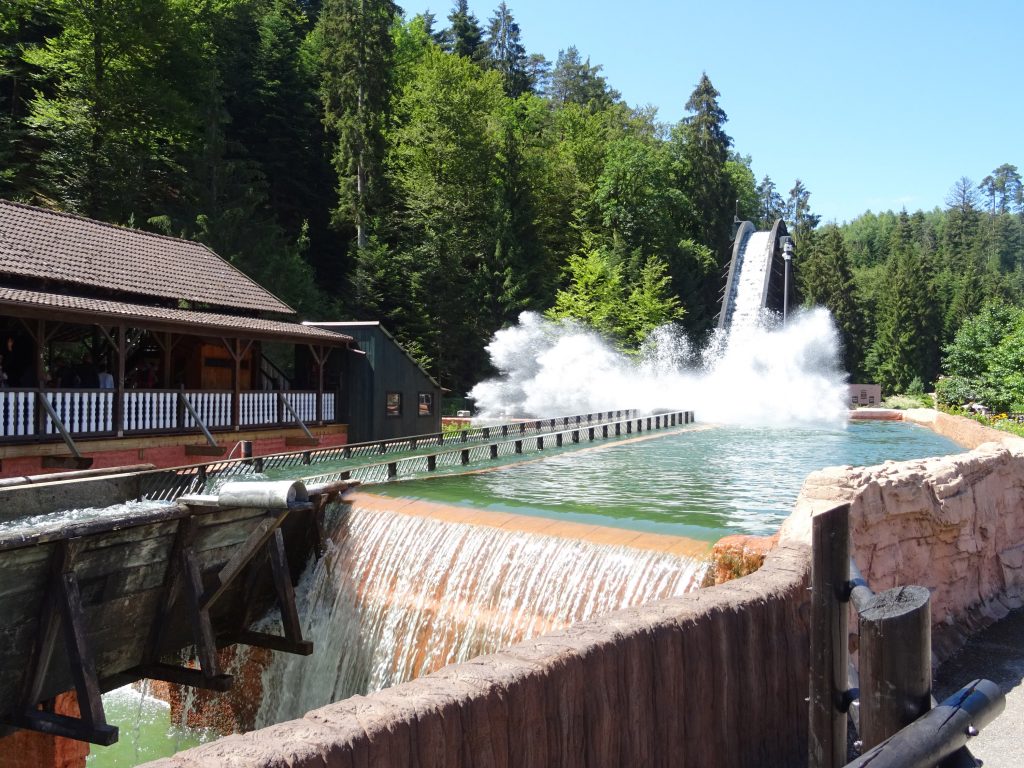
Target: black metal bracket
62, 609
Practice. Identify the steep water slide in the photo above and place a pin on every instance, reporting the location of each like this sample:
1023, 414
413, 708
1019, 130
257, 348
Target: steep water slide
756, 276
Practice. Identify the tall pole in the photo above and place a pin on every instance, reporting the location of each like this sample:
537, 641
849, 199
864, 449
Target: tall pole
787, 256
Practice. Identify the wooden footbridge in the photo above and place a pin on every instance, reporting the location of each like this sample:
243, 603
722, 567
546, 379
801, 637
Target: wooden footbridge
115, 591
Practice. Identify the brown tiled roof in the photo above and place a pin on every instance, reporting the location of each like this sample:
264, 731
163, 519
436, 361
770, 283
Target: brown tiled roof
37, 243
93, 310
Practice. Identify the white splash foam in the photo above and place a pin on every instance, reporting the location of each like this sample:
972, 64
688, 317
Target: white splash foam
755, 375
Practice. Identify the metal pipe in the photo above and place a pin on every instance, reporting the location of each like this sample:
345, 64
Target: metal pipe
940, 732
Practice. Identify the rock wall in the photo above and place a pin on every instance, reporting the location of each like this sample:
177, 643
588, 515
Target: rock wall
954, 524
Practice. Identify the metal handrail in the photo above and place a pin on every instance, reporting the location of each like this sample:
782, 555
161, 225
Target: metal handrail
169, 484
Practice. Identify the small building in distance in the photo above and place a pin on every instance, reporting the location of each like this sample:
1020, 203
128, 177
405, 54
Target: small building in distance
865, 395
389, 394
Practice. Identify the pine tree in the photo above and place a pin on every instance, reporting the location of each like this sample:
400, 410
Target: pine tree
701, 149
798, 211
826, 280
505, 52
465, 36
357, 57
771, 206
575, 81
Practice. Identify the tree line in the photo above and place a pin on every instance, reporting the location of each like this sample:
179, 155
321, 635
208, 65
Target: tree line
908, 290
362, 163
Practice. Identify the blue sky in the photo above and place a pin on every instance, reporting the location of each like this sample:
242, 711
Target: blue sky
873, 105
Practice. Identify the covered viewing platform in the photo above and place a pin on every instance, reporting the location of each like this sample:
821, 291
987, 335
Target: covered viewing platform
119, 347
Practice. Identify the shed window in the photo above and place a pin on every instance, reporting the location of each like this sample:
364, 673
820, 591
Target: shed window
426, 405
393, 404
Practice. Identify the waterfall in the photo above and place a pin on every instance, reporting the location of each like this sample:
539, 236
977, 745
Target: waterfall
751, 277
397, 596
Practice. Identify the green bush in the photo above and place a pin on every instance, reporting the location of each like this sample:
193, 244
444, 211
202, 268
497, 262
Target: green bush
908, 400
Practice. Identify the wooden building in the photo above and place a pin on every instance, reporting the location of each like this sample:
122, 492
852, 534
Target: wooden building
388, 394
119, 346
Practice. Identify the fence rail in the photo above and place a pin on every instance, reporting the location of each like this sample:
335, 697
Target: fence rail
891, 702
364, 462
92, 412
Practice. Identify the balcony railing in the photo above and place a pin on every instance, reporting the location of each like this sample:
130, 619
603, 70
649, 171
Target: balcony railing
92, 412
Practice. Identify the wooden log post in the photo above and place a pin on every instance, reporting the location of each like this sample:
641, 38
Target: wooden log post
895, 662
830, 576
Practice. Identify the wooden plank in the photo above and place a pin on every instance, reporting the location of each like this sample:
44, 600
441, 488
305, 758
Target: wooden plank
255, 541
283, 588
82, 662
48, 626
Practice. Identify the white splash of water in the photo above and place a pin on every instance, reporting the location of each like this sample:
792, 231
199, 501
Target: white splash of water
755, 375
398, 596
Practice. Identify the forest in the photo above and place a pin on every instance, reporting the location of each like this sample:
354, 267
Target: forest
431, 173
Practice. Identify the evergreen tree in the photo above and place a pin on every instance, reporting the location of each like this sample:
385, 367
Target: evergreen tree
701, 148
505, 52
825, 279
798, 211
575, 81
465, 36
120, 111
356, 65
771, 206
905, 345
1002, 188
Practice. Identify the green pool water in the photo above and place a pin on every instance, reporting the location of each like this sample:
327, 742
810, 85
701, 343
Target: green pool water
146, 732
699, 483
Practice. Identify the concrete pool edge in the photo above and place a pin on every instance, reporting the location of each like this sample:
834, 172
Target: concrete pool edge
649, 684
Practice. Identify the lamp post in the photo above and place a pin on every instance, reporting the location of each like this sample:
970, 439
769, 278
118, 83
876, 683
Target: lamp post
787, 256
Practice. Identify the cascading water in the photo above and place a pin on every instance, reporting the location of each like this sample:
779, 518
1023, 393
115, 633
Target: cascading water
398, 596
751, 276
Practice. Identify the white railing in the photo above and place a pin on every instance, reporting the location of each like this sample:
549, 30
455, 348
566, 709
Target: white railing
258, 408
214, 408
304, 405
92, 412
146, 410
19, 412
81, 411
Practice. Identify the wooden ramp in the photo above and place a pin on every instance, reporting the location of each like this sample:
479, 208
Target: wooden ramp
93, 600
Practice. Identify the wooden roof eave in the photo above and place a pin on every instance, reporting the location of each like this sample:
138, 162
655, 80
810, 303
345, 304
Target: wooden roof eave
85, 317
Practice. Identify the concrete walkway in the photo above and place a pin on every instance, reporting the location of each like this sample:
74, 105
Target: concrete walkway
996, 654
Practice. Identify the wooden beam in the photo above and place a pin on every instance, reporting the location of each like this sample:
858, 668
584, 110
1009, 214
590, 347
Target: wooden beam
245, 552
122, 354
63, 606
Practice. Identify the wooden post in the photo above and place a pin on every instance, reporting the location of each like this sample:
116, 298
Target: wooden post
122, 353
830, 576
895, 662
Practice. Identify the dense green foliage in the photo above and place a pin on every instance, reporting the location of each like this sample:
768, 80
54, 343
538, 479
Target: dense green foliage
435, 175
906, 290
